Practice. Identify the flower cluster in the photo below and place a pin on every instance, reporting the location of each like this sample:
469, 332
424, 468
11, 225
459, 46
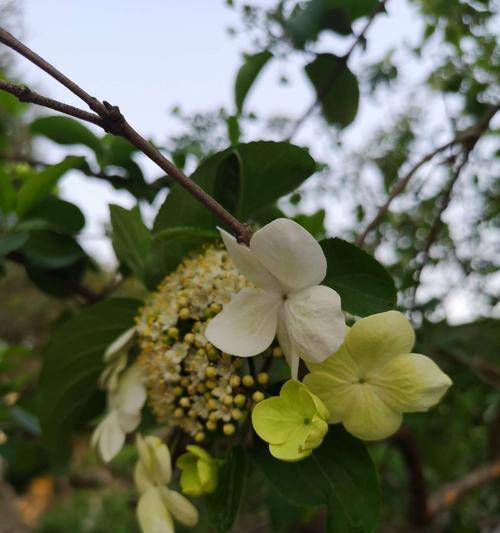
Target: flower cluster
191, 383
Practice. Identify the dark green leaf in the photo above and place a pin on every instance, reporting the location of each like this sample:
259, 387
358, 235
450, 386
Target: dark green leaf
314, 224
59, 282
247, 75
48, 249
65, 130
131, 238
233, 130
363, 284
339, 474
12, 241
7, 193
224, 503
40, 184
306, 23
229, 182
57, 214
336, 89
72, 363
268, 170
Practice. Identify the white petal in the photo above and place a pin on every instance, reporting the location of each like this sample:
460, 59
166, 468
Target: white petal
182, 509
290, 354
141, 478
152, 514
315, 323
108, 437
130, 394
246, 262
118, 344
290, 253
247, 325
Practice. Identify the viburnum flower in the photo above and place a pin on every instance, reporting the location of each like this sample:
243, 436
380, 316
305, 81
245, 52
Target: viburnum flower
158, 503
124, 414
198, 471
293, 423
115, 359
373, 378
286, 264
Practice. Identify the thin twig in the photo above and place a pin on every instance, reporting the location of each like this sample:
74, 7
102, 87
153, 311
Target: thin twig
114, 122
465, 138
25, 94
341, 65
450, 493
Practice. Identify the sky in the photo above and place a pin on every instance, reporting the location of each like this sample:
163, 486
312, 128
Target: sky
152, 55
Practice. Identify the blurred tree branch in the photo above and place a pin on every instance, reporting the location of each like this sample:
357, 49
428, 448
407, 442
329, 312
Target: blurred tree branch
111, 120
467, 139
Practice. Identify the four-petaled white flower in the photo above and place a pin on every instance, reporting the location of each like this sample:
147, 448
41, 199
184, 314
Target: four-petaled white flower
286, 264
124, 414
157, 503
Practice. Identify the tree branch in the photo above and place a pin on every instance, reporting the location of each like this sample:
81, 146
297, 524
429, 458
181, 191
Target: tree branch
379, 8
450, 493
114, 122
467, 138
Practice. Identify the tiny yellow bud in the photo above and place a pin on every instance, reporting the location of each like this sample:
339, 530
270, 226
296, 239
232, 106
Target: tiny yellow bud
184, 402
182, 301
201, 388
277, 352
173, 332
184, 382
189, 338
211, 384
199, 437
236, 413
228, 429
213, 416
234, 381
201, 352
215, 308
197, 326
191, 389
227, 400
240, 400
211, 426
210, 371
208, 313
262, 377
178, 413
192, 413
248, 380
207, 395
184, 313
212, 354
178, 390
258, 396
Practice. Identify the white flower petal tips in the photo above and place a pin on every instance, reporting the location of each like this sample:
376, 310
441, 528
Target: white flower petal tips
286, 264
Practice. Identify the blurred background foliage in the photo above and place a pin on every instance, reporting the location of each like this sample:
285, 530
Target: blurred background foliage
439, 238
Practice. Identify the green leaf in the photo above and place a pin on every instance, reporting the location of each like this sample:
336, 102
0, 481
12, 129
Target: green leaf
306, 23
48, 249
364, 285
358, 8
7, 193
131, 238
247, 75
12, 241
58, 282
65, 131
40, 184
314, 224
267, 171
340, 474
336, 89
224, 503
72, 363
57, 214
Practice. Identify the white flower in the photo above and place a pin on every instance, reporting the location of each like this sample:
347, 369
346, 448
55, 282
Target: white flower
124, 414
115, 359
152, 473
286, 264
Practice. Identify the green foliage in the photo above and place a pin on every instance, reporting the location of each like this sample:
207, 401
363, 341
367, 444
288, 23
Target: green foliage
65, 131
247, 75
364, 285
40, 184
54, 214
7, 193
263, 171
223, 504
336, 89
339, 475
72, 363
51, 250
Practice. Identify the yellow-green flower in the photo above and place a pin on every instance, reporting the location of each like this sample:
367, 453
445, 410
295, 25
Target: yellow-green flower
293, 423
373, 377
199, 471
